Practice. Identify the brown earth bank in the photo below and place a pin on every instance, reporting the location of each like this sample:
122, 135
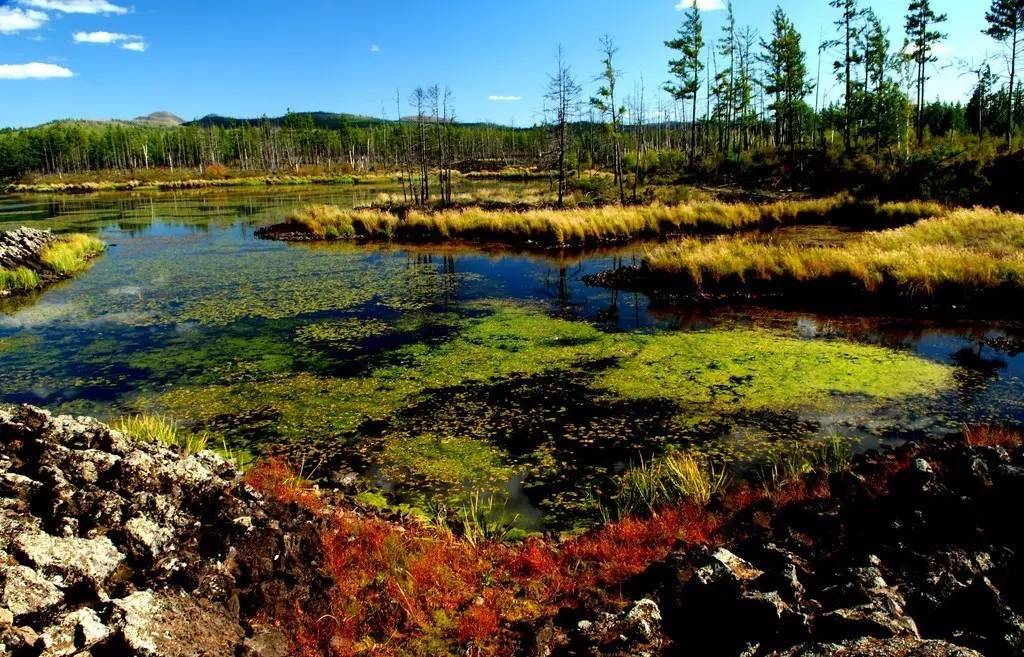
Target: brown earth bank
114, 547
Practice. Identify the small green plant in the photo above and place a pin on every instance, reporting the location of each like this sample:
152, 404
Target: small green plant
71, 253
793, 462
676, 478
158, 429
19, 279
484, 521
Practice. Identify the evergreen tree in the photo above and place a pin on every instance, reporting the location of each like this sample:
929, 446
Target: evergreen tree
786, 78
687, 67
1005, 23
923, 37
849, 29
605, 103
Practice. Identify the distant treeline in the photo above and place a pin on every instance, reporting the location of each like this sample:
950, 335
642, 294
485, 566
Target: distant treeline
735, 103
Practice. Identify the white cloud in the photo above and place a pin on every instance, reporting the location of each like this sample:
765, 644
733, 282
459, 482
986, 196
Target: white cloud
127, 41
504, 99
938, 49
33, 71
14, 20
375, 48
703, 5
76, 6
99, 37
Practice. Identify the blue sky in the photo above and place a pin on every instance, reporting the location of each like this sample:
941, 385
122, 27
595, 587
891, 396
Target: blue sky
113, 58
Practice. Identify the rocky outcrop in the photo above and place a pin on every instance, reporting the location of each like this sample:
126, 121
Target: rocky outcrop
22, 247
114, 547
916, 552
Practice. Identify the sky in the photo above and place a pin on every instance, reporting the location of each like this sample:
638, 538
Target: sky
99, 59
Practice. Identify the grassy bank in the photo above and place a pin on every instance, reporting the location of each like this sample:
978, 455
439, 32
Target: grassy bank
963, 253
66, 256
94, 186
583, 226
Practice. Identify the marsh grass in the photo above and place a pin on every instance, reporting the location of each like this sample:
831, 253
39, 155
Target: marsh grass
19, 279
483, 520
792, 462
214, 181
158, 429
585, 225
978, 249
70, 254
676, 478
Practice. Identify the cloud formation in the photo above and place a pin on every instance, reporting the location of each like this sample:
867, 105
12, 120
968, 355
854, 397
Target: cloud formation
703, 5
15, 20
504, 99
33, 71
127, 41
375, 48
76, 6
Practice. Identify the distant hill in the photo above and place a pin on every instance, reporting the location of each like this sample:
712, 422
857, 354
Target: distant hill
330, 120
327, 120
158, 118
319, 119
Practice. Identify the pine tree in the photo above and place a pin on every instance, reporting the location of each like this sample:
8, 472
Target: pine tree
605, 103
725, 80
1005, 23
923, 37
876, 67
850, 31
687, 68
786, 78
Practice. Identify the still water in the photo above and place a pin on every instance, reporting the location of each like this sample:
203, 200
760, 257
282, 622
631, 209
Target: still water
430, 375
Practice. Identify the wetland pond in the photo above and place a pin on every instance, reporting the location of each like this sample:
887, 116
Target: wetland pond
432, 375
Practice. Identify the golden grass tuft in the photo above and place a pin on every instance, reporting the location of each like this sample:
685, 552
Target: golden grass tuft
676, 478
587, 225
978, 248
19, 279
158, 429
70, 254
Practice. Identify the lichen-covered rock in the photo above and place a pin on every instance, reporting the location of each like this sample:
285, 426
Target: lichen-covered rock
24, 591
72, 561
880, 648
23, 246
111, 546
75, 632
168, 625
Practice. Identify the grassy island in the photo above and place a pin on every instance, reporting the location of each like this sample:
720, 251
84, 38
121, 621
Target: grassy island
550, 226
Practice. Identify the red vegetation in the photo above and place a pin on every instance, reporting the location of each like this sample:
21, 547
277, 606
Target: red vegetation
993, 436
410, 589
276, 479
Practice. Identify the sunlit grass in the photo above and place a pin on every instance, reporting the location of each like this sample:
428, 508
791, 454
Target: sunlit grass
978, 248
586, 225
70, 254
792, 462
158, 429
19, 279
677, 478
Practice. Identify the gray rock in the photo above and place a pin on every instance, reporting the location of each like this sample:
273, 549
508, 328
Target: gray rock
74, 560
146, 537
168, 625
644, 620
266, 641
27, 592
80, 630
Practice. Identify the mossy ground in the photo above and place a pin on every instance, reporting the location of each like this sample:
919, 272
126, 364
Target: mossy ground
704, 376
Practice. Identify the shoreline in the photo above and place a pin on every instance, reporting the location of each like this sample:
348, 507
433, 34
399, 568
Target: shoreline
108, 544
